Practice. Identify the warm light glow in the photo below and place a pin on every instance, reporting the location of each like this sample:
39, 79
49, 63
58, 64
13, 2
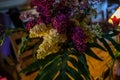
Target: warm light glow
117, 14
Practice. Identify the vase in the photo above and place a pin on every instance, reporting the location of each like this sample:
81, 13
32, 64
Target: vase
116, 70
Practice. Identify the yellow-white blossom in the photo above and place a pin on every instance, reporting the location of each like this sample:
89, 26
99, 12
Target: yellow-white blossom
50, 43
38, 30
46, 49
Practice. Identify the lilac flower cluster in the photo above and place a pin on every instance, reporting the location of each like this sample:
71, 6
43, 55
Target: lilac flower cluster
43, 6
30, 24
60, 23
79, 38
59, 13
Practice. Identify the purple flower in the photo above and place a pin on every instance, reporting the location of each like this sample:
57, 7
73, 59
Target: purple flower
78, 38
46, 19
43, 6
30, 24
34, 3
61, 7
39, 20
43, 10
60, 23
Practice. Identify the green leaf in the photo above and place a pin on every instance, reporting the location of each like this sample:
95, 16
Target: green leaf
46, 70
83, 66
37, 64
92, 54
107, 47
60, 77
75, 63
55, 62
48, 59
24, 46
73, 73
5, 34
52, 73
32, 67
25, 40
114, 33
63, 65
2, 39
81, 58
115, 44
117, 54
75, 52
95, 45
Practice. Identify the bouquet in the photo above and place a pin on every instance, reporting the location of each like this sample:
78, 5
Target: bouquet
65, 35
